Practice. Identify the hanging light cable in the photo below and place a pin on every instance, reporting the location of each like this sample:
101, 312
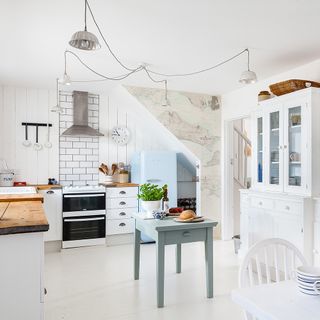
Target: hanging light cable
248, 76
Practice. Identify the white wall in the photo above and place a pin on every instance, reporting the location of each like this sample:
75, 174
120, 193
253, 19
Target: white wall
240, 103
28, 105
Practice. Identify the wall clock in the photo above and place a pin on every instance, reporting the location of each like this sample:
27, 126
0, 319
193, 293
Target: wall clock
120, 135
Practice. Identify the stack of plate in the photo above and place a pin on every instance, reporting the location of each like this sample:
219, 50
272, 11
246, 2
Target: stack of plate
308, 279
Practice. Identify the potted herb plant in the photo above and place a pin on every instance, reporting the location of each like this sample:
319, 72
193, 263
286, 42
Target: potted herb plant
150, 196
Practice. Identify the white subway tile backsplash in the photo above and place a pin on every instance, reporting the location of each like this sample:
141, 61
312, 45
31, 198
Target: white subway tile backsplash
65, 171
79, 170
65, 144
92, 170
79, 156
66, 157
85, 164
72, 164
92, 158
86, 177
72, 177
79, 144
85, 151
92, 145
72, 151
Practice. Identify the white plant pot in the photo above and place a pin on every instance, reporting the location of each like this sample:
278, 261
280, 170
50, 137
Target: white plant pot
149, 206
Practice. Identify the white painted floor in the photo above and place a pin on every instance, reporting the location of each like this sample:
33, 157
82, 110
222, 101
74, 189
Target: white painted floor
96, 283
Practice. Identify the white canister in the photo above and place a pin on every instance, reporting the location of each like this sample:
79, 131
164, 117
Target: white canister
6, 178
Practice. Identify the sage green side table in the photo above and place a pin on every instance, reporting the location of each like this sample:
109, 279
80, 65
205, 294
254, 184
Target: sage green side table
166, 232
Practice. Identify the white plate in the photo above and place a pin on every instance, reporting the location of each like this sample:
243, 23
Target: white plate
308, 272
199, 219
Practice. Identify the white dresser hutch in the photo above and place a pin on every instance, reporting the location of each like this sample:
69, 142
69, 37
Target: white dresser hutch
283, 199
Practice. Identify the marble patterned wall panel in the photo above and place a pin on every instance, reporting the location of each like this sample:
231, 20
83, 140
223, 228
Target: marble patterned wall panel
195, 120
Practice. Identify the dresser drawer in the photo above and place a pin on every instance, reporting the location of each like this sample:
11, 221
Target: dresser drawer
184, 236
114, 203
120, 226
263, 203
122, 192
289, 206
120, 213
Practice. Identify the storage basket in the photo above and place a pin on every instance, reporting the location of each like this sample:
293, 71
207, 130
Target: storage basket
292, 85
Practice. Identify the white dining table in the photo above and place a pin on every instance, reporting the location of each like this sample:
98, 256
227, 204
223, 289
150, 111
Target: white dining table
278, 301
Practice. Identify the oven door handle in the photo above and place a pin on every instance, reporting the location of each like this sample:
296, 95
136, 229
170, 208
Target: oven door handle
87, 219
83, 195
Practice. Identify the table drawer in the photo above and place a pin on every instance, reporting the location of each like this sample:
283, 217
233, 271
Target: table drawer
122, 192
119, 226
120, 213
263, 203
184, 236
113, 203
288, 206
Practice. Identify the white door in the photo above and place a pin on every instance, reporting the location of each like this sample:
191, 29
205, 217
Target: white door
273, 148
53, 210
295, 146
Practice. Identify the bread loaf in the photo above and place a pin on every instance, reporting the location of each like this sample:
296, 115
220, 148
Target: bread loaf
187, 214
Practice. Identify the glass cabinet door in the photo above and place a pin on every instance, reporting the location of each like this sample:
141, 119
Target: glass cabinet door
294, 146
274, 148
260, 150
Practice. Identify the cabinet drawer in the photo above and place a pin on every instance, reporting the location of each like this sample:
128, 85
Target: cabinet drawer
288, 206
120, 226
184, 236
262, 203
120, 213
122, 192
113, 203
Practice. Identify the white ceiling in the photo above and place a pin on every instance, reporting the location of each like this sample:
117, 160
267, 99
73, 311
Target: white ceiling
170, 35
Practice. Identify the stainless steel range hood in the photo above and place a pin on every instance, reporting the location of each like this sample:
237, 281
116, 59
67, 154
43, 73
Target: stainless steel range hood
80, 127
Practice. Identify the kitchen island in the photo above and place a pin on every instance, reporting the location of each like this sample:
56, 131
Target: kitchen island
22, 225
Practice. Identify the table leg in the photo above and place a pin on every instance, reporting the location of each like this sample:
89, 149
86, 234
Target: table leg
178, 258
209, 262
160, 270
136, 264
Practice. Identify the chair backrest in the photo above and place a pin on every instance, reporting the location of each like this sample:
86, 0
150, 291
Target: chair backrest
270, 260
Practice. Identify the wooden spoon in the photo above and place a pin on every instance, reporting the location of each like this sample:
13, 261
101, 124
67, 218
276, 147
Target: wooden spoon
114, 167
105, 168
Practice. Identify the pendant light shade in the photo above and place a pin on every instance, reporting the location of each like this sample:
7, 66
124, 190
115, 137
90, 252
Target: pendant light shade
84, 40
248, 77
66, 80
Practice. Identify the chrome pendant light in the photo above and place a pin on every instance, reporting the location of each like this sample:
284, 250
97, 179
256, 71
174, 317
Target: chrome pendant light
65, 80
248, 76
57, 108
85, 40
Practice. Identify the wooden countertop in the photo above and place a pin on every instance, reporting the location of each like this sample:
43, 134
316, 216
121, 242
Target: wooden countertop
21, 197
22, 217
45, 186
119, 185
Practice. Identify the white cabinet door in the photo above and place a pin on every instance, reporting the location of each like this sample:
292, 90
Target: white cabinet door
53, 210
295, 152
258, 165
290, 228
273, 156
260, 225
316, 250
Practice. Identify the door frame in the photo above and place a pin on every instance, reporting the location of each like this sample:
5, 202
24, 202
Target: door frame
227, 223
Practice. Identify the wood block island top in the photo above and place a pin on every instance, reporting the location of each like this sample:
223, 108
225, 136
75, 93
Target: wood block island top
22, 217
21, 197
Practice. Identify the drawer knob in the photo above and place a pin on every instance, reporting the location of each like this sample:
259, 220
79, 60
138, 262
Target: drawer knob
122, 224
50, 192
287, 208
122, 192
260, 203
186, 234
122, 213
122, 203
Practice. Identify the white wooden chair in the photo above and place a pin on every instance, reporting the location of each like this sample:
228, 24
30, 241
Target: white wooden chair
270, 260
